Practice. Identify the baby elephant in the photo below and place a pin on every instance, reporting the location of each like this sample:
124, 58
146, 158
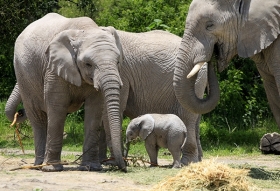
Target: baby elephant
159, 130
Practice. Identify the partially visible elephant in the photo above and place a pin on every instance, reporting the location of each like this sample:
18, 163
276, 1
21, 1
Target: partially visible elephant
159, 131
61, 64
216, 31
147, 75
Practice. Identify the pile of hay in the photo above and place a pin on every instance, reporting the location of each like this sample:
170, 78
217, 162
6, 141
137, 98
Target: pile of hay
207, 175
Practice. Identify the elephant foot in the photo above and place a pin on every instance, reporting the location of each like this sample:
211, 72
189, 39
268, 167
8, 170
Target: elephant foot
53, 168
176, 165
153, 165
111, 162
187, 161
90, 167
38, 161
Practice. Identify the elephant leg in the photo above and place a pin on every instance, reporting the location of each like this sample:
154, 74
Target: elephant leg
56, 120
190, 150
57, 100
38, 121
175, 151
267, 63
199, 147
93, 116
152, 150
272, 96
272, 91
102, 144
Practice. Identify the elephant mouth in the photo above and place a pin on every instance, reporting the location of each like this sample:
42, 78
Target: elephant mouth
221, 56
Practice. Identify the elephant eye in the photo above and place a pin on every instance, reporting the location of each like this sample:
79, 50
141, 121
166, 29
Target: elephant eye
209, 25
88, 65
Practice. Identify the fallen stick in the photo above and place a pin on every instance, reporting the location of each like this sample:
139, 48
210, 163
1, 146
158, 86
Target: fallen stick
41, 165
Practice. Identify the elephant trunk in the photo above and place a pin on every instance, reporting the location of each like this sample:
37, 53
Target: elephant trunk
126, 149
185, 87
110, 87
11, 107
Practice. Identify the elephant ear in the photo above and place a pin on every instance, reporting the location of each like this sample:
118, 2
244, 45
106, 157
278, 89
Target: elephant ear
113, 31
259, 27
62, 54
146, 126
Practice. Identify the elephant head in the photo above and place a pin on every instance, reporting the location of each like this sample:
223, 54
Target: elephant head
216, 31
92, 57
141, 126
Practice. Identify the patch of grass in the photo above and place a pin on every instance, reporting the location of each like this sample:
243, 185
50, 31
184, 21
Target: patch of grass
146, 176
233, 141
263, 177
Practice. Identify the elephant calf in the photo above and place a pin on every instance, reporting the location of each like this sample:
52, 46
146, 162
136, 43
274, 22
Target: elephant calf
159, 130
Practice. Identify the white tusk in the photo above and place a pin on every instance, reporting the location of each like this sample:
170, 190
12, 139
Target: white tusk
195, 69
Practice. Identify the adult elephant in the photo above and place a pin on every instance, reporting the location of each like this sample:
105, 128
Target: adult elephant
219, 30
147, 75
60, 64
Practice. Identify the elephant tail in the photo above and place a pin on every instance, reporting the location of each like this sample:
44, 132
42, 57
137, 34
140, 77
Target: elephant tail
11, 107
185, 139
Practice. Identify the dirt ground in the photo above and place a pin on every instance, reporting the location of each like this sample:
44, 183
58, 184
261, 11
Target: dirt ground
73, 180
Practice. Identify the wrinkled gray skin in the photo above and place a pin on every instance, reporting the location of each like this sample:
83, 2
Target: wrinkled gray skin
60, 64
223, 29
147, 75
159, 131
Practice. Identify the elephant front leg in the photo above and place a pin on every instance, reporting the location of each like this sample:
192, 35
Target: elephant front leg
152, 150
271, 89
93, 116
190, 150
56, 120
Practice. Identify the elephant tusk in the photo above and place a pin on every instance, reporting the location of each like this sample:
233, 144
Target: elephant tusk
195, 69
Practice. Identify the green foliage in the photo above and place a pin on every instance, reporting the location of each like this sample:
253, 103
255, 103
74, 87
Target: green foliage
243, 102
237, 140
15, 16
135, 16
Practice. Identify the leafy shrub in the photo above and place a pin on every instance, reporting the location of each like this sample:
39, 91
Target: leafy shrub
215, 137
243, 102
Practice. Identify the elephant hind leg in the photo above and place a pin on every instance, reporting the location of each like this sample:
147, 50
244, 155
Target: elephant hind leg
176, 154
39, 124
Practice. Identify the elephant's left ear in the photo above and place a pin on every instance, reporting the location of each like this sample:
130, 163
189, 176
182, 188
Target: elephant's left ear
61, 55
146, 126
259, 26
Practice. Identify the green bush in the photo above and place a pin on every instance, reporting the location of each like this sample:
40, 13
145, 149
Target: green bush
243, 102
213, 137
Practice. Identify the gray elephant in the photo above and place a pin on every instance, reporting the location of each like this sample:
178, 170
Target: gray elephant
219, 30
61, 64
147, 75
159, 131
